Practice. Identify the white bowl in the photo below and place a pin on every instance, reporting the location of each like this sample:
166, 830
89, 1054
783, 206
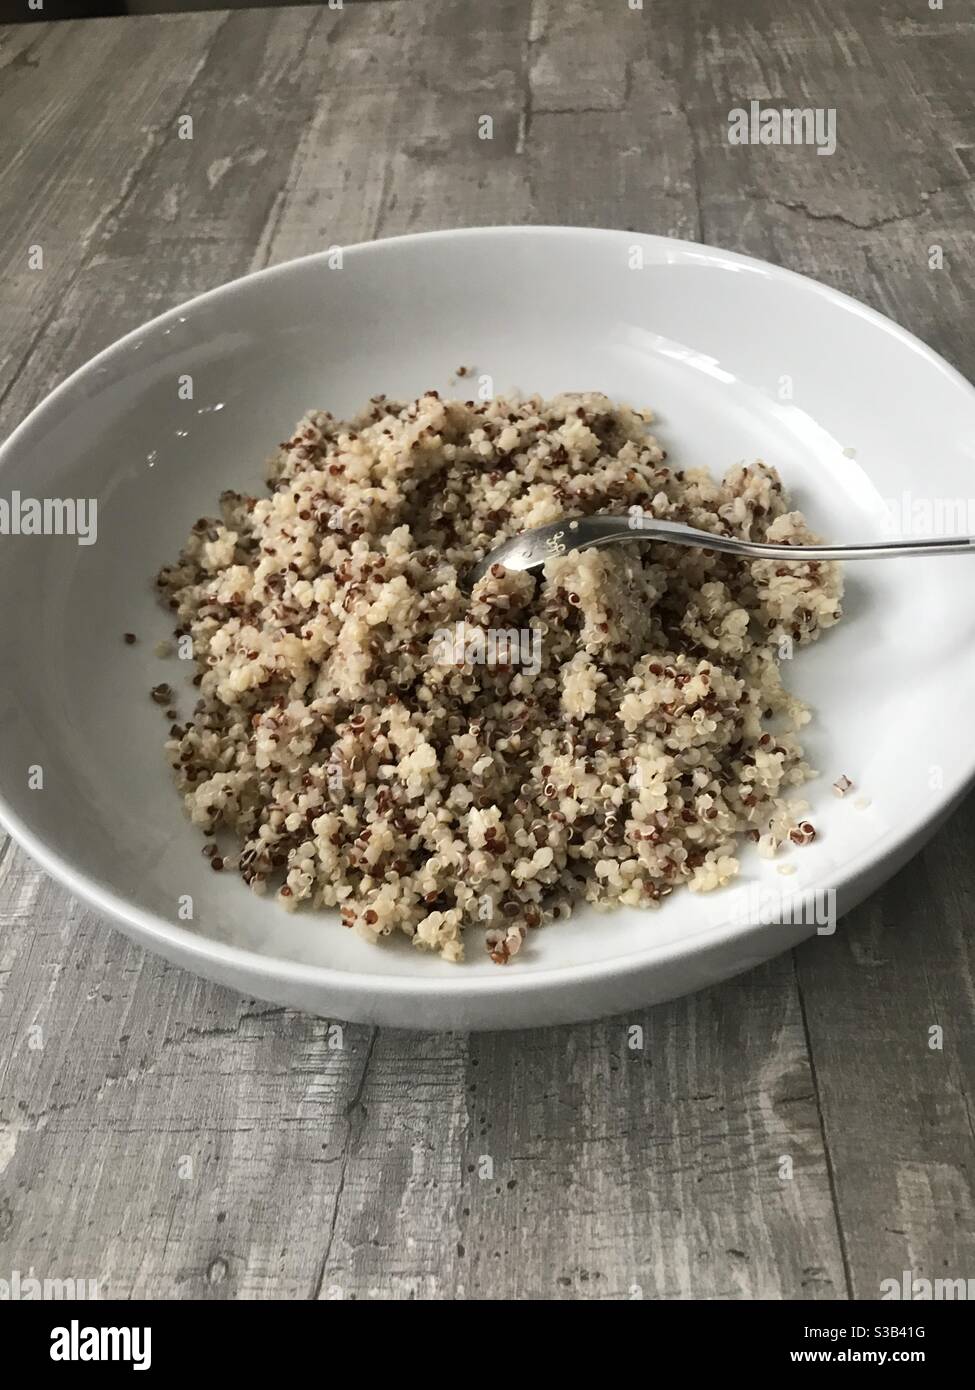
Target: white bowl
714, 342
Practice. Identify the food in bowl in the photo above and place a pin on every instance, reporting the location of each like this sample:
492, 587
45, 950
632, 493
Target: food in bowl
446, 763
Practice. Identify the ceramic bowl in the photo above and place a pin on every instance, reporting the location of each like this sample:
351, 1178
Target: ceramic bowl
739, 359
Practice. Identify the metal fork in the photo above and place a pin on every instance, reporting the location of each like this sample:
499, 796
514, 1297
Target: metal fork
530, 550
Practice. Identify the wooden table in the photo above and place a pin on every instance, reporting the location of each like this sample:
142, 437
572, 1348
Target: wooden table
169, 1138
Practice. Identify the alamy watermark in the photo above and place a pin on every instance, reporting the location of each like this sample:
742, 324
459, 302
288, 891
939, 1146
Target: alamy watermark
787, 125
491, 646
765, 906
50, 516
909, 515
912, 1288
28, 1288
76, 1342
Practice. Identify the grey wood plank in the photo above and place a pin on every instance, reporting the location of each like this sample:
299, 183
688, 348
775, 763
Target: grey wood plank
661, 1171
180, 215
156, 1132
149, 1119
68, 155
897, 1111
361, 1170
393, 145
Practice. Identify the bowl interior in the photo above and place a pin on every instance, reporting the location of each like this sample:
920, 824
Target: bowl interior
738, 360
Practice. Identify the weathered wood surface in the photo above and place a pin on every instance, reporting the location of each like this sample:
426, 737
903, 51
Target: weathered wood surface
169, 1138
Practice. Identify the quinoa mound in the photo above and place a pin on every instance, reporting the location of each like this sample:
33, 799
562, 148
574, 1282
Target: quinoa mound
372, 736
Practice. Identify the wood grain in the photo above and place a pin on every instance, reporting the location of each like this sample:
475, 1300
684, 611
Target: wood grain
169, 1138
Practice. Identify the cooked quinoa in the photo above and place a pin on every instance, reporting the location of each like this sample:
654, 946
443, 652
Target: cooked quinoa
368, 741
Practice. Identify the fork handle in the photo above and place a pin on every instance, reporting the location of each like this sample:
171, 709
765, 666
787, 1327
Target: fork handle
675, 532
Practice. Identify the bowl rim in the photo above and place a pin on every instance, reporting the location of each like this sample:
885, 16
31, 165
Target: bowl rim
153, 930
